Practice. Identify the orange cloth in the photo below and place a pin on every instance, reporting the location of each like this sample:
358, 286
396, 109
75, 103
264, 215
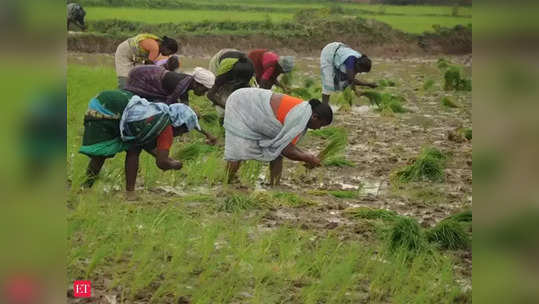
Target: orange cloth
165, 139
152, 47
287, 103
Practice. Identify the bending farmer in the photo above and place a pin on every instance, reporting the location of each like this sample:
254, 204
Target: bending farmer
266, 126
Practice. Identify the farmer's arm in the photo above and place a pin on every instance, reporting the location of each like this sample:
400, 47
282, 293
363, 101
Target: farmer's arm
294, 153
210, 139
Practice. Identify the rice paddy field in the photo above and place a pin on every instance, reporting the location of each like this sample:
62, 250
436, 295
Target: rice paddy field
409, 19
387, 219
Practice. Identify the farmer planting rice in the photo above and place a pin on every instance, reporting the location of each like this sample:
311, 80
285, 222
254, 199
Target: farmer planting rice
233, 70
339, 65
157, 84
118, 121
75, 15
141, 49
266, 126
268, 66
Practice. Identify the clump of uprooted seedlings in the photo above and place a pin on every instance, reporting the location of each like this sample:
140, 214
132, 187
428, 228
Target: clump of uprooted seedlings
386, 83
407, 234
460, 135
454, 81
386, 103
429, 165
452, 232
333, 153
449, 103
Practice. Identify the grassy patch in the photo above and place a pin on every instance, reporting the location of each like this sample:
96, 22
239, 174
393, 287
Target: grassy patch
429, 165
443, 64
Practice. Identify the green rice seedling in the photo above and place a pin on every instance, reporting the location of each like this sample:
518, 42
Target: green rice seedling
287, 78
193, 150
304, 93
464, 216
468, 133
308, 82
237, 202
207, 168
429, 165
338, 161
348, 96
386, 83
454, 81
428, 84
373, 214
374, 97
210, 118
344, 193
443, 63
326, 133
289, 199
449, 234
447, 102
406, 234
335, 147
249, 172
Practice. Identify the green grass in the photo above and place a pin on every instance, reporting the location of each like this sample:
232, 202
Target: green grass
454, 80
420, 24
407, 234
157, 16
429, 165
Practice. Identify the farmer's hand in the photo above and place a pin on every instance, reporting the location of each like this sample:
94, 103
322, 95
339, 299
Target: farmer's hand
312, 162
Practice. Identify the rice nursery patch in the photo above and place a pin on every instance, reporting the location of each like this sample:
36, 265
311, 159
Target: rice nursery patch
429, 165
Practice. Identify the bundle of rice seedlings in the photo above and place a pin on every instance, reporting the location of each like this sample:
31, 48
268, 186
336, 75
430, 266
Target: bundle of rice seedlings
428, 84
302, 92
290, 199
335, 147
454, 81
338, 161
449, 234
287, 78
373, 214
344, 193
464, 216
468, 133
237, 202
210, 117
460, 135
193, 150
406, 234
447, 102
374, 97
429, 165
348, 96
392, 103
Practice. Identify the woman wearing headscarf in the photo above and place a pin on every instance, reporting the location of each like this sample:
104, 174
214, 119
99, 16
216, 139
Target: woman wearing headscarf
339, 65
268, 66
266, 126
233, 70
141, 49
118, 121
159, 85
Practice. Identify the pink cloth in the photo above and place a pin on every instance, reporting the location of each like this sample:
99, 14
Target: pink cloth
269, 63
